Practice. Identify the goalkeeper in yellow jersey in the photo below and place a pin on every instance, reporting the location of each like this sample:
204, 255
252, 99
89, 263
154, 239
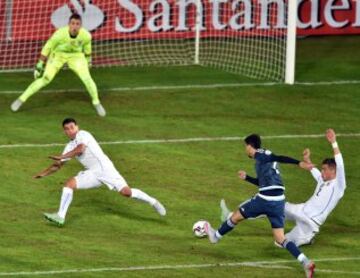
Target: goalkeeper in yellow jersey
69, 45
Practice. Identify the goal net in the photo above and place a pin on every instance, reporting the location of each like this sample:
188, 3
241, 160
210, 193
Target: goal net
247, 37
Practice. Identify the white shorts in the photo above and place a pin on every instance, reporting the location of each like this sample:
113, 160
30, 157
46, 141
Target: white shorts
90, 179
305, 229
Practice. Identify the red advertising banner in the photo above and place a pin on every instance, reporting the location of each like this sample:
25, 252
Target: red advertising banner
146, 19
328, 17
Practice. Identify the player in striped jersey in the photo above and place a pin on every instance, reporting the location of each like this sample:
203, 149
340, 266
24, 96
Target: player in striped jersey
270, 201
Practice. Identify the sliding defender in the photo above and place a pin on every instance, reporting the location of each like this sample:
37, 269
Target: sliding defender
331, 184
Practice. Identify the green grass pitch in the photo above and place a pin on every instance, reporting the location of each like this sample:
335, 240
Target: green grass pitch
104, 230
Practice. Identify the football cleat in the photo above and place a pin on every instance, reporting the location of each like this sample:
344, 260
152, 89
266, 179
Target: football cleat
159, 208
16, 105
100, 110
210, 232
55, 218
225, 212
309, 269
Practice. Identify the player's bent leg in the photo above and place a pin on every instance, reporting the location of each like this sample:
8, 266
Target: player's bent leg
51, 70
126, 191
66, 199
236, 217
305, 241
294, 235
308, 265
226, 227
115, 181
142, 196
80, 66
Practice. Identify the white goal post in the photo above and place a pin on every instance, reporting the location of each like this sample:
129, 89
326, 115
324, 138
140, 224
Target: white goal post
254, 38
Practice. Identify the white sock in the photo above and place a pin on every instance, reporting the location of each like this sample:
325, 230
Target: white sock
142, 196
303, 259
66, 198
217, 234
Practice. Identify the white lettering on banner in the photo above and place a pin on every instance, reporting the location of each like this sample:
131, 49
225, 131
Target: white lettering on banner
136, 11
329, 16
183, 5
246, 14
216, 20
179, 15
357, 14
264, 19
314, 21
163, 17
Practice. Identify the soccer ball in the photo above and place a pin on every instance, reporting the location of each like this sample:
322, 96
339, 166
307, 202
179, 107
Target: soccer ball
198, 228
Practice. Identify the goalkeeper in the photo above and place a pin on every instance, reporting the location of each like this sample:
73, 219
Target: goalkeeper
69, 45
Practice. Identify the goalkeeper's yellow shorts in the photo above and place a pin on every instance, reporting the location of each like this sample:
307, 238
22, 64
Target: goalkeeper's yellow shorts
75, 61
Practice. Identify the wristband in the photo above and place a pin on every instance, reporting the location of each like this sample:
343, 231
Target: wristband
334, 145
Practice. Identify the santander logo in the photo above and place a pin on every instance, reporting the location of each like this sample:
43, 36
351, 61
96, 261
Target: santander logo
92, 16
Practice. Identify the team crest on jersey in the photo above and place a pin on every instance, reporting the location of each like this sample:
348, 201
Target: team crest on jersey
267, 152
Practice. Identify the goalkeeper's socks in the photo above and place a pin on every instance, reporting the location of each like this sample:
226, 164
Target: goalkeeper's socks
226, 227
142, 196
66, 198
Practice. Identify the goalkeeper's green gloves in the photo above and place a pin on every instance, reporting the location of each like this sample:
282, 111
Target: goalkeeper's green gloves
88, 59
39, 69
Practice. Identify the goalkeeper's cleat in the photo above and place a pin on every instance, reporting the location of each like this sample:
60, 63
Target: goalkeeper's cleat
210, 232
55, 218
225, 212
159, 208
16, 105
100, 110
309, 269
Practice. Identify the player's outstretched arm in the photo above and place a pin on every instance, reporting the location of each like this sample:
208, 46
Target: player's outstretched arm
331, 137
289, 160
306, 155
340, 170
75, 152
314, 171
45, 52
244, 176
50, 170
266, 156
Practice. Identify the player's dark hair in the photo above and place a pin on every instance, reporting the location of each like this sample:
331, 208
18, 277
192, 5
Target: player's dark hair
68, 121
329, 162
75, 16
253, 140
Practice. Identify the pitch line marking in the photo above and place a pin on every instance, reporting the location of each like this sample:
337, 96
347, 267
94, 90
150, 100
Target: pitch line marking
199, 86
181, 140
258, 264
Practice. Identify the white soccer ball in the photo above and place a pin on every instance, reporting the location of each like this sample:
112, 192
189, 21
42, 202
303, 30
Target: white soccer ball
198, 228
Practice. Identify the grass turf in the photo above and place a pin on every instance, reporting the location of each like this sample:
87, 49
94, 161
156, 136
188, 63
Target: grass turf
105, 230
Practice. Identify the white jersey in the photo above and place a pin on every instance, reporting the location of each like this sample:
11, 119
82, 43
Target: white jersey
327, 193
93, 158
